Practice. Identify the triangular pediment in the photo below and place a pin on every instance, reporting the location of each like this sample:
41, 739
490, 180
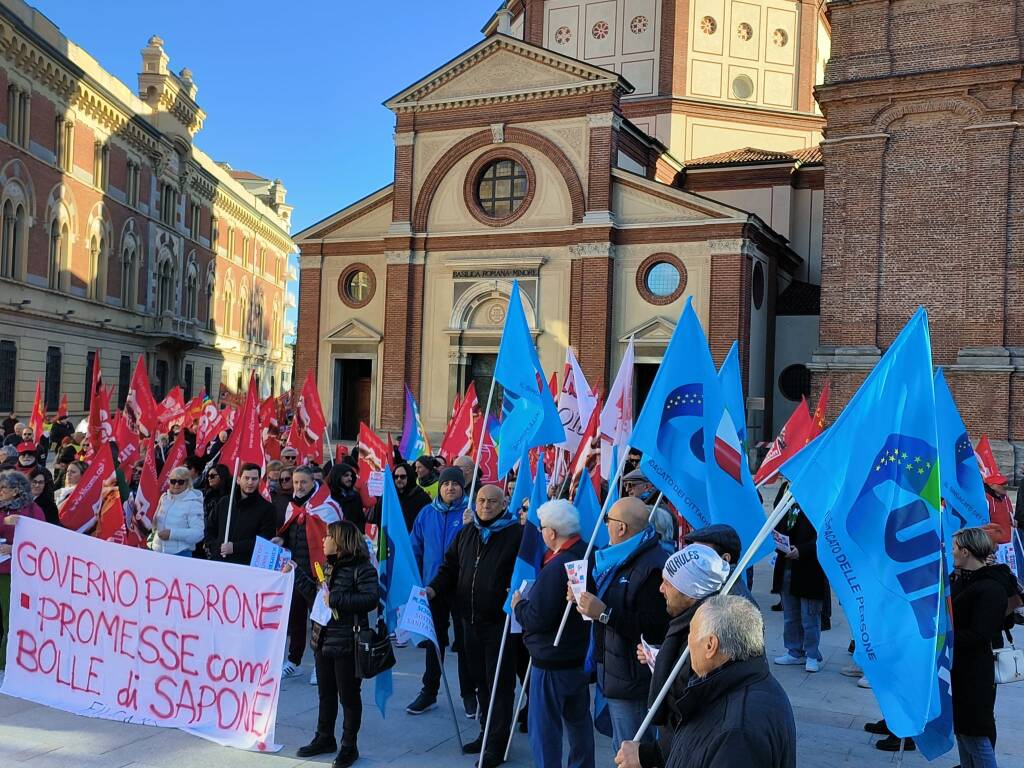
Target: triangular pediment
354, 330
356, 217
501, 67
637, 200
656, 330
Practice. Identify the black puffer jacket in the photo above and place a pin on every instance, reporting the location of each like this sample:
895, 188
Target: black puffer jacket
636, 608
807, 579
478, 574
354, 590
738, 715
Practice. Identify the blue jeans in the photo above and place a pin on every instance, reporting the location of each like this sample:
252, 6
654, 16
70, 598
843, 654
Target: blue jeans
802, 622
560, 698
976, 752
626, 716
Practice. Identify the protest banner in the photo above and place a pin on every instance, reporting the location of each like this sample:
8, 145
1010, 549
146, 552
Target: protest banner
268, 556
416, 618
117, 633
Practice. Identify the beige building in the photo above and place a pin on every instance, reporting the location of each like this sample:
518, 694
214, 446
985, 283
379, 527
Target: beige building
121, 237
562, 151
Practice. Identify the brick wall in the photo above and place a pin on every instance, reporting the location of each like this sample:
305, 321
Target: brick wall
403, 335
307, 342
590, 316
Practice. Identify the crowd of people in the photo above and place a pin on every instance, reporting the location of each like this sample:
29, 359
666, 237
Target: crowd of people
653, 591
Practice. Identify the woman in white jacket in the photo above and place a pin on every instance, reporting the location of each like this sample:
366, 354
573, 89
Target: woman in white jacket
178, 524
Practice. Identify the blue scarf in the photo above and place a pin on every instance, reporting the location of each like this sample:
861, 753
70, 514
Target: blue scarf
498, 524
608, 560
444, 508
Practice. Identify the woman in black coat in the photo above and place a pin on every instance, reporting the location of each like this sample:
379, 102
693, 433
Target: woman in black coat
342, 483
351, 590
42, 492
979, 595
800, 583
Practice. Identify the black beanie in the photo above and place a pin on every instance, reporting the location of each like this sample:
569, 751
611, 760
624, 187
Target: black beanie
452, 474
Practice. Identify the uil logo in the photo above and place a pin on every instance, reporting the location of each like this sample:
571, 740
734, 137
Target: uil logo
899, 501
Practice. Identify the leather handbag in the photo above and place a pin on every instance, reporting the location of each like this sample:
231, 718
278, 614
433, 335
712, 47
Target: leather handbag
374, 653
1009, 664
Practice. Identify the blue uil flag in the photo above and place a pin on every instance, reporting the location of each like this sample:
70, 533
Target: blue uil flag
871, 487
963, 492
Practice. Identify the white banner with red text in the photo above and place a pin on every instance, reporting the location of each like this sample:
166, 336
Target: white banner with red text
119, 633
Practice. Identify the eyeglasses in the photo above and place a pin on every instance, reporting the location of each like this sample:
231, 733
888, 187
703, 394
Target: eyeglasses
609, 519
39, 481
176, 481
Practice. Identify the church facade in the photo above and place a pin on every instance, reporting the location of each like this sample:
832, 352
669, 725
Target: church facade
615, 158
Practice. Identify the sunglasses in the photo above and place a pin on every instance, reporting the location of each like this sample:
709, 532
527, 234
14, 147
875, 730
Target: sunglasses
285, 479
401, 477
175, 481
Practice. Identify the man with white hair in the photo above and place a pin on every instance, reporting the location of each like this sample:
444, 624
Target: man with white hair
559, 686
689, 577
734, 712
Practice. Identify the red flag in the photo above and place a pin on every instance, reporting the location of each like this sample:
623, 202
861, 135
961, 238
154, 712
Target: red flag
268, 413
95, 427
38, 416
272, 447
794, 436
987, 465
172, 410
148, 493
230, 416
245, 446
211, 422
373, 454
110, 525
320, 511
340, 452
819, 412
488, 454
127, 441
458, 437
309, 425
175, 458
62, 409
588, 453
140, 408
194, 409
81, 509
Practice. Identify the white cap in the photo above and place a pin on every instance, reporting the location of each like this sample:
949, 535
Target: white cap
697, 571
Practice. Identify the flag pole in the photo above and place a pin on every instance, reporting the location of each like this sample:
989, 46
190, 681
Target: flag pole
330, 448
590, 544
480, 447
519, 706
494, 686
448, 693
657, 503
231, 501
769, 525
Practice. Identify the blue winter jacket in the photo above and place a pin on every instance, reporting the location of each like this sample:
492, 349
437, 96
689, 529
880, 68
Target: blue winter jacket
436, 527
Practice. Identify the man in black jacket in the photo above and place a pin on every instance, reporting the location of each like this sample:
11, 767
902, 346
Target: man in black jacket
251, 516
689, 577
626, 605
477, 571
734, 713
559, 686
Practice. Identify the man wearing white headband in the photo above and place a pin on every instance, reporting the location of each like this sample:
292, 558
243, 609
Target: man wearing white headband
689, 577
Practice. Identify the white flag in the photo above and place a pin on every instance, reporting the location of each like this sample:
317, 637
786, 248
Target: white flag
576, 403
617, 416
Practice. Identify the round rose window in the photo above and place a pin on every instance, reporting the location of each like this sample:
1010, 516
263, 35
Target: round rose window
501, 188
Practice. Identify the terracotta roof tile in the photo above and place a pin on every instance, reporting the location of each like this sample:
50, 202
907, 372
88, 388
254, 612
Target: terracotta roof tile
754, 156
247, 175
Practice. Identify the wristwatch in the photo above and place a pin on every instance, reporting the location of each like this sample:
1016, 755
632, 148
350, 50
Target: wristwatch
603, 618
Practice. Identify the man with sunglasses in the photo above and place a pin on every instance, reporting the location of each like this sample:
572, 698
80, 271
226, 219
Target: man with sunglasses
410, 495
624, 601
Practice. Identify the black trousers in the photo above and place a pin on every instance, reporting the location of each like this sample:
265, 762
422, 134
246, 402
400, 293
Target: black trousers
483, 642
337, 681
298, 620
443, 616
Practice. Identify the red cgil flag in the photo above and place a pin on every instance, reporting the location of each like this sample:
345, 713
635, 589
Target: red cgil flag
458, 437
211, 422
38, 417
140, 408
175, 458
95, 425
488, 453
306, 435
81, 509
588, 453
245, 445
128, 450
148, 493
795, 434
172, 410
373, 454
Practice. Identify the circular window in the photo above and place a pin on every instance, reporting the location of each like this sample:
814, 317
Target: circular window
744, 31
661, 278
757, 285
499, 186
638, 25
356, 285
795, 382
780, 38
743, 87
708, 25
600, 30
563, 35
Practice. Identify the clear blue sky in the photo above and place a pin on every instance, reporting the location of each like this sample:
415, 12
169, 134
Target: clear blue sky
291, 89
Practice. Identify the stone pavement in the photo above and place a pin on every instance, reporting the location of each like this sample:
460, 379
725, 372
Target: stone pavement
830, 712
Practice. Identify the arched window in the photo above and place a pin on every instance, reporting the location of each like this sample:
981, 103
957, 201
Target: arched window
129, 289
165, 287
229, 305
243, 315
53, 256
18, 242
7, 241
94, 264
211, 286
191, 294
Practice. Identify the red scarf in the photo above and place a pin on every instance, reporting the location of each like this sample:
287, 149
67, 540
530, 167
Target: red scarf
569, 544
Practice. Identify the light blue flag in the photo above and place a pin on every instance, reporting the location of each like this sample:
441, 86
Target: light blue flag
732, 388
691, 446
589, 507
533, 418
398, 573
870, 486
530, 559
963, 491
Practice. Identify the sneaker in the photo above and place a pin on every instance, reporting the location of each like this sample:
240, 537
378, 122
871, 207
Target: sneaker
312, 677
469, 702
473, 747
880, 728
891, 743
812, 665
289, 670
423, 703
863, 683
788, 660
320, 745
347, 755
851, 670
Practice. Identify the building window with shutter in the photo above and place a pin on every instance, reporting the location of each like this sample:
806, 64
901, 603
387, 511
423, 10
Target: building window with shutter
124, 379
187, 386
8, 371
208, 381
54, 357
90, 361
